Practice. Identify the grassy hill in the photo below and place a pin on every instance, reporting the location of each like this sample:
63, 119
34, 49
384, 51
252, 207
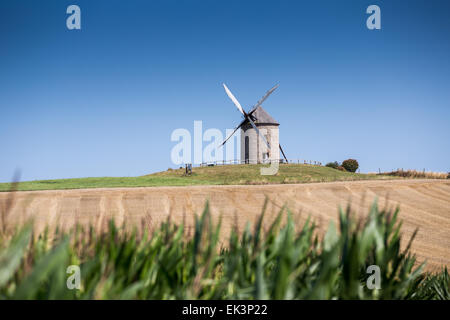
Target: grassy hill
218, 175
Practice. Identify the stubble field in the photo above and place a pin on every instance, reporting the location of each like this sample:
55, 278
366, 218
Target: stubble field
424, 204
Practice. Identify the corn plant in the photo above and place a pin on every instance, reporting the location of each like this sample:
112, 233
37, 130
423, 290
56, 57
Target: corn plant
280, 262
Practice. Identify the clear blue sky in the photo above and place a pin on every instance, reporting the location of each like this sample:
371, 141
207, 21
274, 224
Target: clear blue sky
104, 100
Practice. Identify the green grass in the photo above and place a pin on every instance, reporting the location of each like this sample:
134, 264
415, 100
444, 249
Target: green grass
280, 262
218, 175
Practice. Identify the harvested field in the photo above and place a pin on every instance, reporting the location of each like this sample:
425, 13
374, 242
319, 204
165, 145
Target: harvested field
424, 204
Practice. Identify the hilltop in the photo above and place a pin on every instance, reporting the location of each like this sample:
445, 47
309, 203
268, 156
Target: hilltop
216, 175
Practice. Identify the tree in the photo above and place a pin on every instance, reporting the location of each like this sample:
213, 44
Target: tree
350, 165
333, 165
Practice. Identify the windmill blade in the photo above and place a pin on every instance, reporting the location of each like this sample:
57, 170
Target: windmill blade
235, 101
268, 93
283, 153
240, 125
257, 131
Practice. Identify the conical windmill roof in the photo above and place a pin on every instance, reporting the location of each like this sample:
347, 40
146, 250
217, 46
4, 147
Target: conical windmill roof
262, 117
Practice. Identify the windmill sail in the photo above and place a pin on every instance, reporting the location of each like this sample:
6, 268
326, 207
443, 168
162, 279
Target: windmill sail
240, 125
238, 105
258, 132
268, 93
235, 101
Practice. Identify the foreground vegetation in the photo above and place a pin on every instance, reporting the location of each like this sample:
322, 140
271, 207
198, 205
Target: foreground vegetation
217, 175
278, 263
417, 174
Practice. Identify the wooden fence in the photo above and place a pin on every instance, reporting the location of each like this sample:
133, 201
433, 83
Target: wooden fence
281, 161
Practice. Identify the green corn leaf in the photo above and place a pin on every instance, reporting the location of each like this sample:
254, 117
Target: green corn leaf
11, 256
43, 268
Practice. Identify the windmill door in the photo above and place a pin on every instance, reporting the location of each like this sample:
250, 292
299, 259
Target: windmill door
247, 146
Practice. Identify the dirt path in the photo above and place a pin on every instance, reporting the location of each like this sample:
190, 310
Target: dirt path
424, 204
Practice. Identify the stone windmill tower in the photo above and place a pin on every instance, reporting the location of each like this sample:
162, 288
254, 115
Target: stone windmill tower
259, 133
253, 148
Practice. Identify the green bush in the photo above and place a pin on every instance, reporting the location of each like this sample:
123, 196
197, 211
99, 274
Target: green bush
351, 165
333, 165
280, 262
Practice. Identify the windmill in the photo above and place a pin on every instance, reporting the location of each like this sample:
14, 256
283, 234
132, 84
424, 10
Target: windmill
254, 145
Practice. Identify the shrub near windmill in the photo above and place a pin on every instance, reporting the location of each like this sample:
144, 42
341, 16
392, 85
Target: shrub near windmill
350, 165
